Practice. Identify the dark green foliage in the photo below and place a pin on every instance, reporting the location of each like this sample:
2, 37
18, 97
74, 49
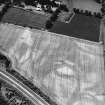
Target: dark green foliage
10, 96
64, 8
52, 19
98, 1
5, 61
87, 13
31, 86
103, 7
55, 15
49, 24
99, 15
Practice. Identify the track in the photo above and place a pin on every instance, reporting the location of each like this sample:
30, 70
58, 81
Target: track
22, 88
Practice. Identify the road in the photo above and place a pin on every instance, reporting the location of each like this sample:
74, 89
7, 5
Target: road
37, 100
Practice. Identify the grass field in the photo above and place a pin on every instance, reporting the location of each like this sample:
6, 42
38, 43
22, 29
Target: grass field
81, 26
25, 18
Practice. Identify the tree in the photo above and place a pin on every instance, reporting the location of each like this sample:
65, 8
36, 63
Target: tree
55, 15
103, 8
64, 8
99, 15
98, 1
49, 24
52, 19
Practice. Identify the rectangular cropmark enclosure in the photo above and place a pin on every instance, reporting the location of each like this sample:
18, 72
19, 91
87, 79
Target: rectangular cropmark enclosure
68, 70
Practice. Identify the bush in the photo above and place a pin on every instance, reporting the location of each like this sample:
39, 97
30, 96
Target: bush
77, 11
99, 15
49, 24
87, 12
64, 8
103, 10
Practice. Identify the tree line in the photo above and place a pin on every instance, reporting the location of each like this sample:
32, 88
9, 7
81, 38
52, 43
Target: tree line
87, 13
43, 3
46, 6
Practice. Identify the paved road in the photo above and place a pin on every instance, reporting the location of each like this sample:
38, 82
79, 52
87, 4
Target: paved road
22, 88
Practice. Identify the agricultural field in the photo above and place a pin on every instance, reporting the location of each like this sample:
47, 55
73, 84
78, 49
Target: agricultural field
68, 70
81, 26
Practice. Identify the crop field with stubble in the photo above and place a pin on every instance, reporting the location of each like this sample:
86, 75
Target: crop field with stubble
80, 26
69, 70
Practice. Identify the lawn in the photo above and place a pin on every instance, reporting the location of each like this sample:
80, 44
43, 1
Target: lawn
81, 26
